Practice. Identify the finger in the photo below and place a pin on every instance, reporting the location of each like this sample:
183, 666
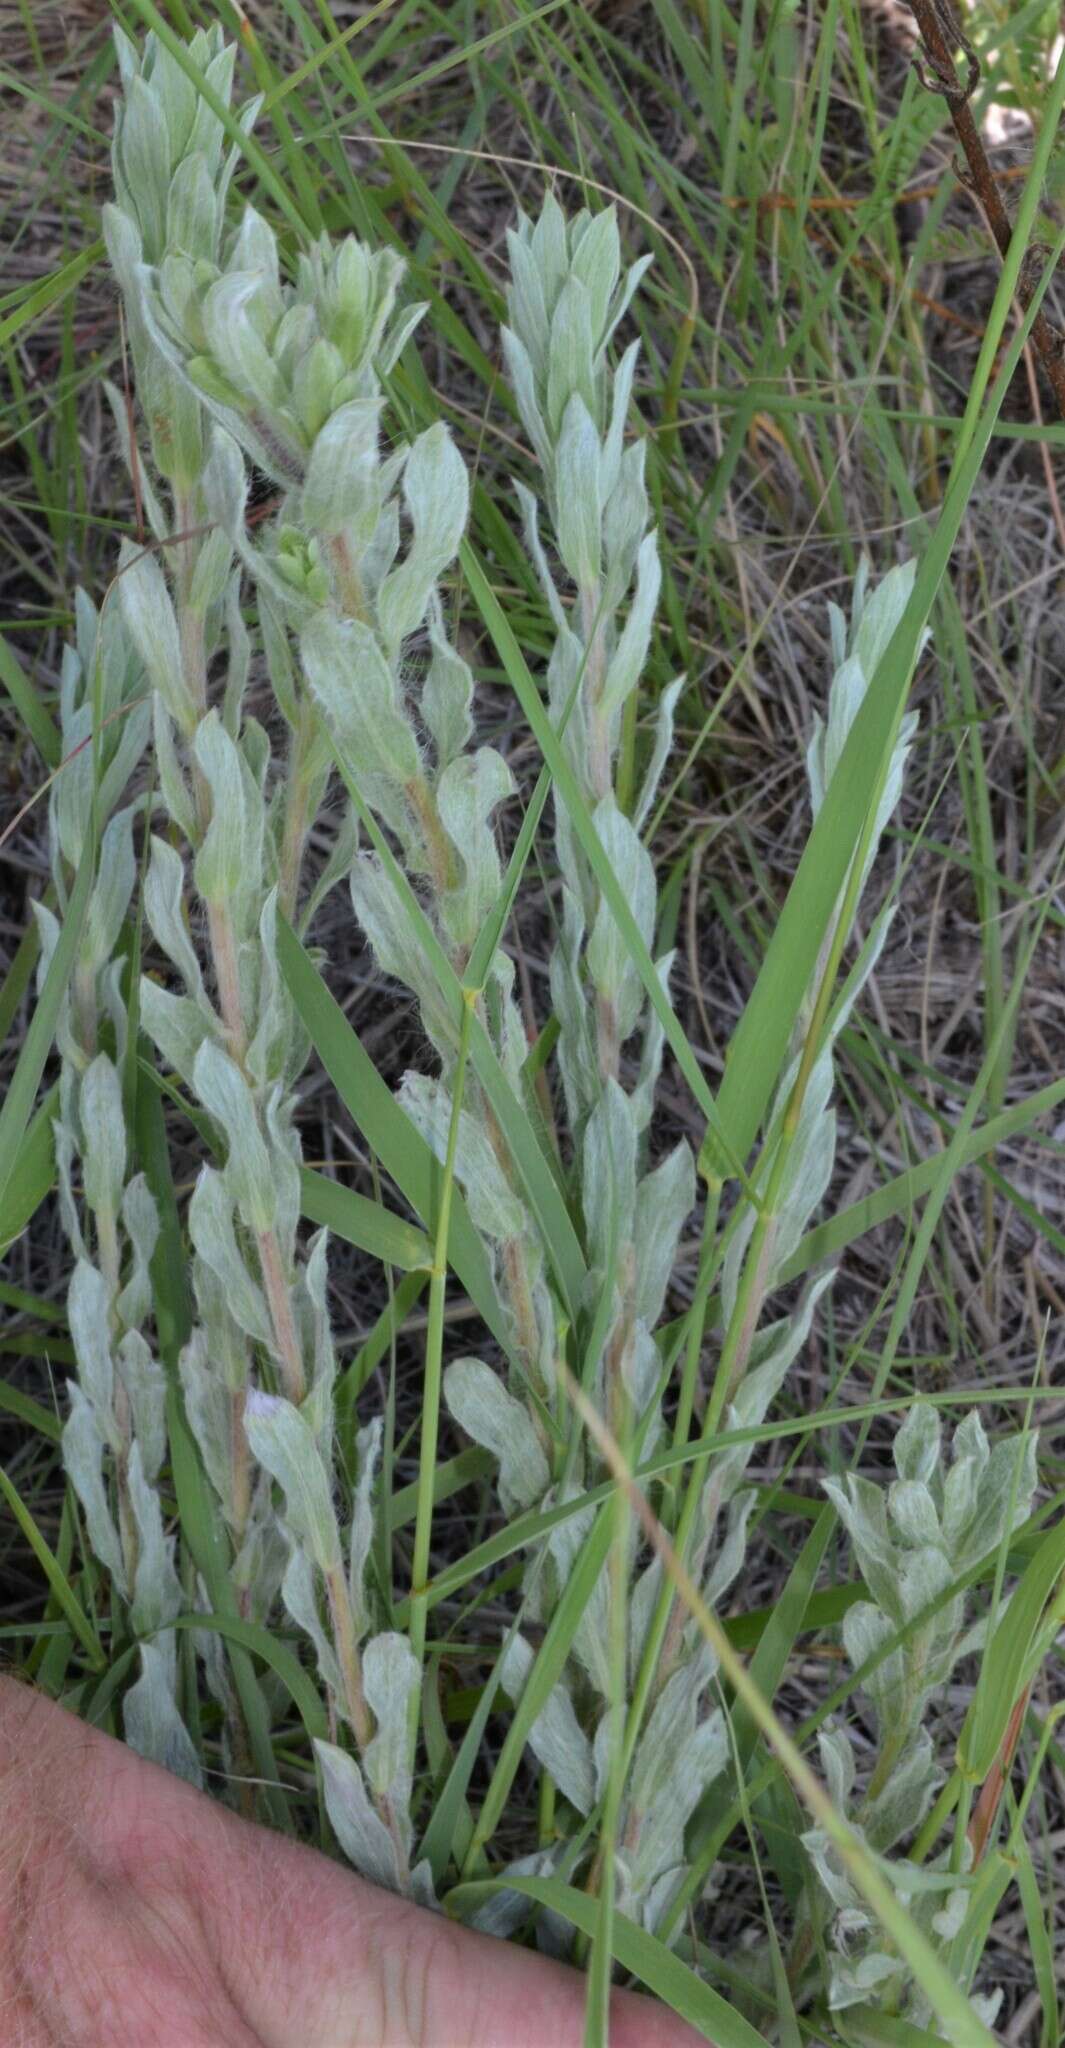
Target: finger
311, 1954
349, 1966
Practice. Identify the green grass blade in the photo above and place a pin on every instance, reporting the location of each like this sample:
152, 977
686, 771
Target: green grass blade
440, 1841
1004, 1668
901, 1194
276, 1655
38, 722
364, 1223
401, 1149
544, 1675
57, 1579
27, 1410
49, 291
16, 980
35, 1173
1037, 1913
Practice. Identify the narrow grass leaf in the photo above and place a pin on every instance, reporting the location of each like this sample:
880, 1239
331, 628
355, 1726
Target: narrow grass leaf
57, 1579
34, 1173
49, 291
362, 1222
401, 1149
1004, 1670
38, 722
546, 1672
276, 1655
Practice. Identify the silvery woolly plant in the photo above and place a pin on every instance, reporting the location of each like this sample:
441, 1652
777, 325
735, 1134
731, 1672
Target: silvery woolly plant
241, 367
914, 1540
565, 300
114, 1436
676, 1740
287, 377
438, 796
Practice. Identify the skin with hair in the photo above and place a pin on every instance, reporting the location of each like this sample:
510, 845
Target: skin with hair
134, 1910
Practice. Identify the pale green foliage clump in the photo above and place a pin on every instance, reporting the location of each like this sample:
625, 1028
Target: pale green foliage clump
231, 1034
345, 573
914, 1541
683, 1748
238, 364
293, 372
114, 1438
565, 298
171, 174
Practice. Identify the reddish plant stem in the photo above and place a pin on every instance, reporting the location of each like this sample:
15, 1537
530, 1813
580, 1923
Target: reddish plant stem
986, 1809
348, 1656
941, 35
289, 1354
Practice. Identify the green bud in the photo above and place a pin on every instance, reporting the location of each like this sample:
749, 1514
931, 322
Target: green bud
299, 562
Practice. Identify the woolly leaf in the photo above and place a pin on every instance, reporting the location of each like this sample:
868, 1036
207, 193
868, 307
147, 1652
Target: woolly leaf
360, 1831
356, 691
664, 1201
89, 1314
299, 1592
83, 1449
212, 1233
284, 1442
436, 489
556, 1737
579, 508
103, 1127
390, 1676
151, 1720
481, 1405
152, 624
250, 1174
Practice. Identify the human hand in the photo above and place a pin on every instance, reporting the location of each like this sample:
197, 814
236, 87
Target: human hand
137, 1913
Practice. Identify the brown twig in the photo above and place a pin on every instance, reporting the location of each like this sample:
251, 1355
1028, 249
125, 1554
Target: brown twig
941, 35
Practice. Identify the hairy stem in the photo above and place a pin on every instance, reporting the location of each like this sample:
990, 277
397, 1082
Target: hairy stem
279, 1298
348, 1656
